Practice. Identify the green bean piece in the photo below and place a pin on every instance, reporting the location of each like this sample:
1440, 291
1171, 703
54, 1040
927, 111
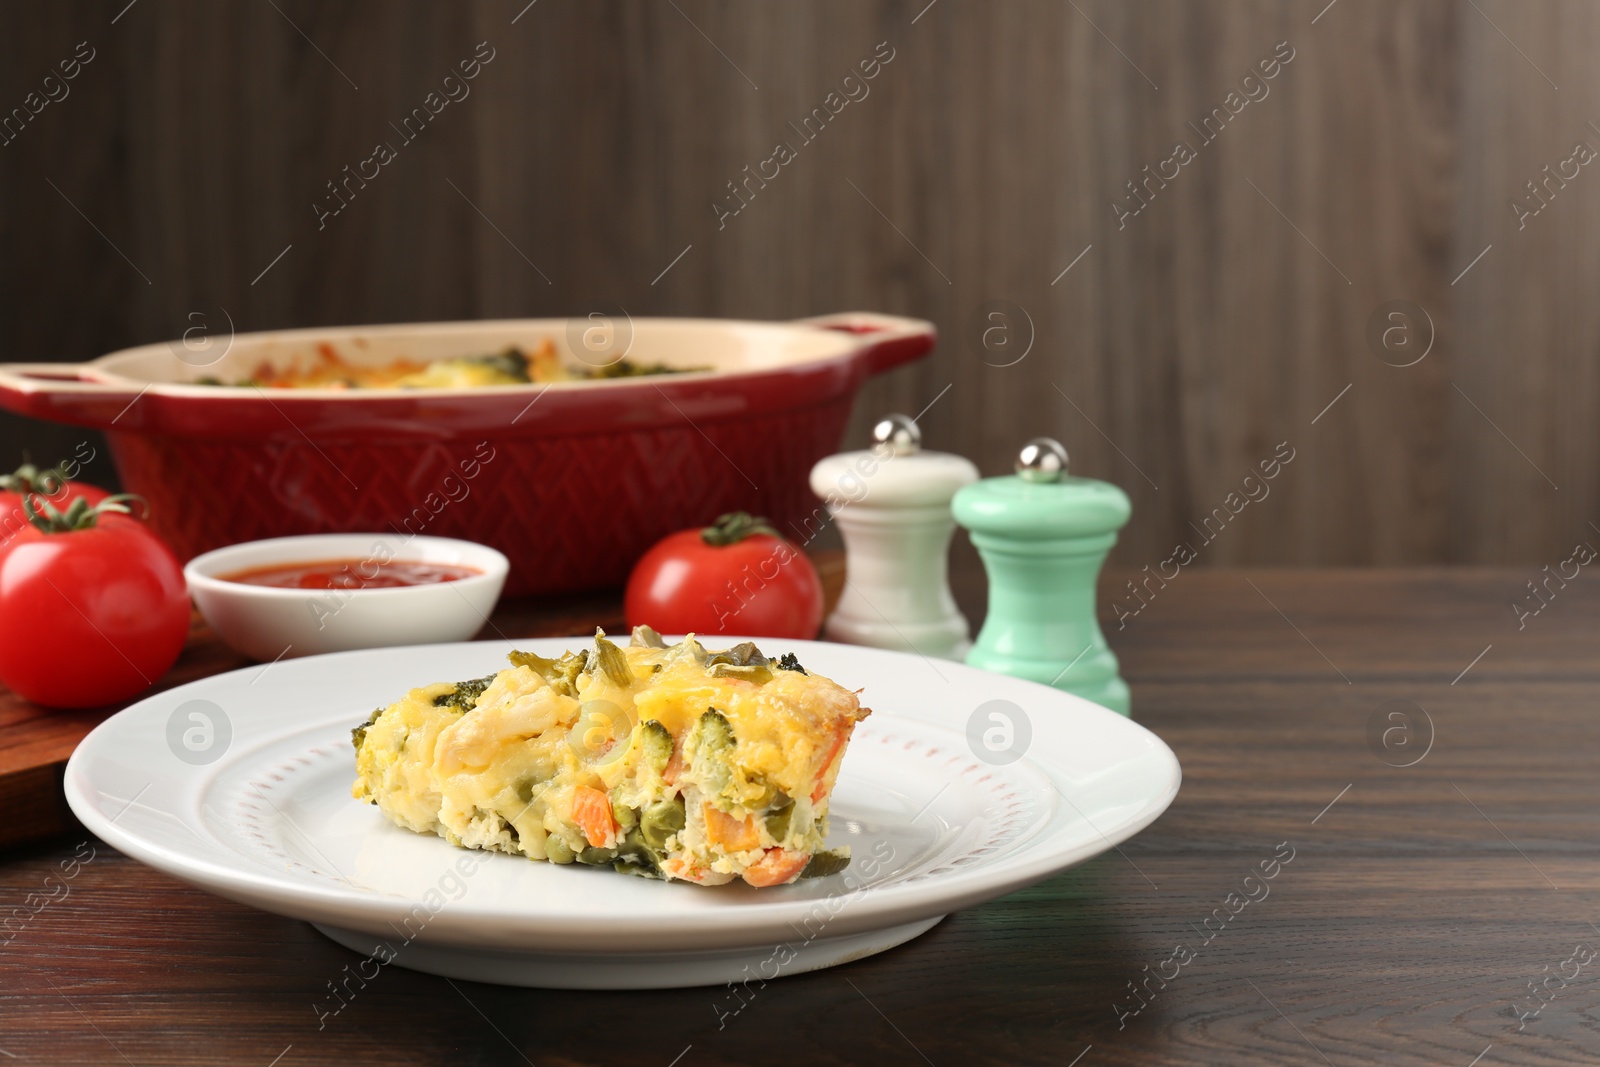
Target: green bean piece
625, 816
744, 654
826, 862
646, 637
751, 672
624, 867
597, 856
635, 852
613, 663
562, 674
779, 817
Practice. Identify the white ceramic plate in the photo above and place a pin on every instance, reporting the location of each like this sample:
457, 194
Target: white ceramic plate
240, 784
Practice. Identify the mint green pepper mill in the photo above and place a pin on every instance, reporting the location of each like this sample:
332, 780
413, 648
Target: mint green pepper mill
1043, 537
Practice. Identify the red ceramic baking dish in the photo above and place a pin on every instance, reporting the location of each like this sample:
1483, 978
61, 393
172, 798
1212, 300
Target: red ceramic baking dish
571, 480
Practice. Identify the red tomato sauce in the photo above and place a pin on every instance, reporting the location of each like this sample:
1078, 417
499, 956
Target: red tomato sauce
350, 574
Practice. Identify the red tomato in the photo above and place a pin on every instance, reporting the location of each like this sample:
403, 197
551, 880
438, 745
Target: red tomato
94, 612
51, 485
735, 577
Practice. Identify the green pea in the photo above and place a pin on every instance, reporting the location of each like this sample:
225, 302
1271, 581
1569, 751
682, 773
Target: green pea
661, 821
597, 856
556, 850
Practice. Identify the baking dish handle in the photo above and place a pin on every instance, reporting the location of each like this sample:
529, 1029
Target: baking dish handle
56, 389
887, 341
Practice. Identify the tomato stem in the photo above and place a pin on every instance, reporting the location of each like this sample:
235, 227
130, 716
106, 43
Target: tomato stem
734, 527
30, 479
80, 514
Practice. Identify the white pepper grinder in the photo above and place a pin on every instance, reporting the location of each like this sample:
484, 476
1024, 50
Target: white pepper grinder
892, 503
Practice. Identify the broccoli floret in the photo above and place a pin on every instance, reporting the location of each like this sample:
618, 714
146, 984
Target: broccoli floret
627, 368
713, 745
513, 363
656, 744
716, 735
466, 694
359, 734
790, 662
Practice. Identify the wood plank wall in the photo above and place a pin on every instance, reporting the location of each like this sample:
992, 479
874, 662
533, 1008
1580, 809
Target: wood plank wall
1184, 344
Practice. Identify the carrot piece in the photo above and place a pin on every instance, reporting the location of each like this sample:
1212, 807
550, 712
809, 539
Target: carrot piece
841, 736
736, 835
685, 868
777, 867
682, 867
591, 810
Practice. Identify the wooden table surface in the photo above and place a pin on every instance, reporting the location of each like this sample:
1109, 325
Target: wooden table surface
1421, 908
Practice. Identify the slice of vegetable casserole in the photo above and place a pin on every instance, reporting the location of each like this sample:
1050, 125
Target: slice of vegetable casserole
664, 762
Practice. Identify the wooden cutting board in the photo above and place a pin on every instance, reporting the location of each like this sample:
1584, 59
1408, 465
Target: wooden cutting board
35, 742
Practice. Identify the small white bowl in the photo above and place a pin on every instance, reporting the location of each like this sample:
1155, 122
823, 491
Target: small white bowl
269, 624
